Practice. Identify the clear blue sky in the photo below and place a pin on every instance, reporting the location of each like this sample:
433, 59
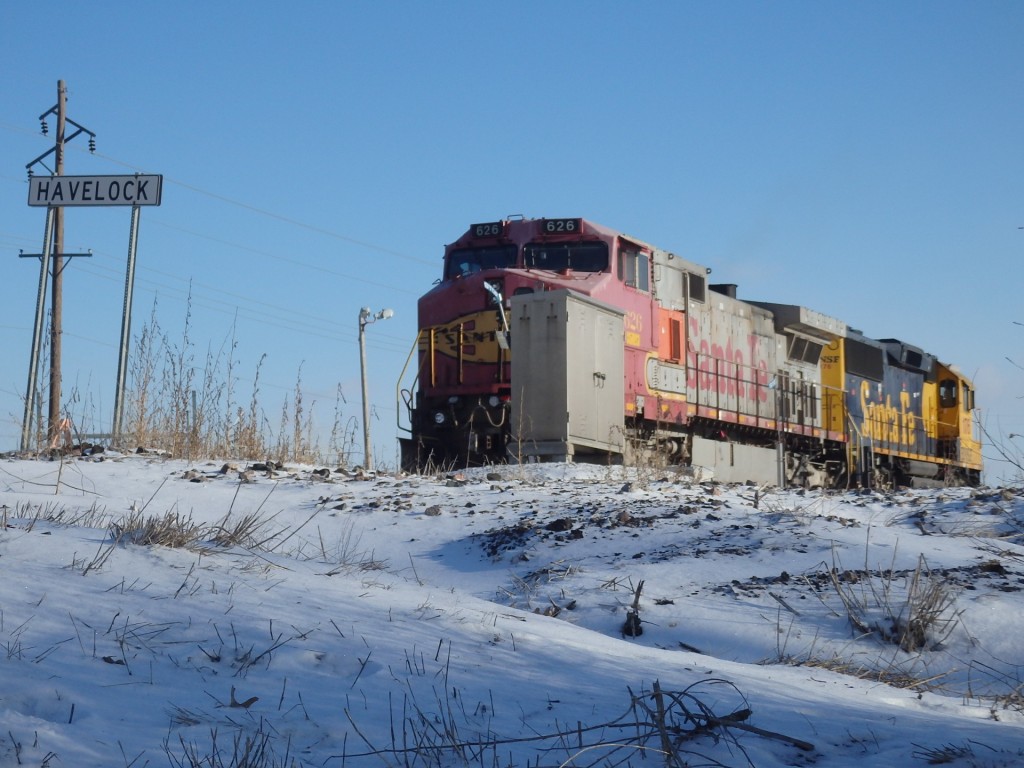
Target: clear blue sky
864, 159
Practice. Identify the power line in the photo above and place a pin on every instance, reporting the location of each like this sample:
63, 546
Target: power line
323, 328
184, 293
285, 259
273, 215
320, 328
278, 257
263, 212
243, 205
238, 297
242, 300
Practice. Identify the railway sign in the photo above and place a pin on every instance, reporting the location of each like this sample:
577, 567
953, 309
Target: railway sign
55, 191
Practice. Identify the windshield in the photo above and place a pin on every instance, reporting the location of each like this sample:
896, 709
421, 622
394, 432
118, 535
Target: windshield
581, 257
469, 260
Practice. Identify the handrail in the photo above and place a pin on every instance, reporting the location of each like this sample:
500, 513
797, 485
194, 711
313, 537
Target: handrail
398, 387
856, 437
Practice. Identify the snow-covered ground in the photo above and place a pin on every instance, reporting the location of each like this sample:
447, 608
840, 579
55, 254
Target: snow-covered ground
491, 618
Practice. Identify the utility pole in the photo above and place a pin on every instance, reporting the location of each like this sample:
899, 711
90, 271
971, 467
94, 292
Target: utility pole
33, 364
53, 247
126, 329
56, 309
367, 316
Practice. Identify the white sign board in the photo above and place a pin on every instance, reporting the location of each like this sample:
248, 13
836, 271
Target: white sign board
137, 189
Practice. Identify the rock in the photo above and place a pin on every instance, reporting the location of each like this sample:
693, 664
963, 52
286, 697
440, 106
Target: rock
561, 524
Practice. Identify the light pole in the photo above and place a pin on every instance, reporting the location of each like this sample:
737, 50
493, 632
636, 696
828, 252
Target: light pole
366, 316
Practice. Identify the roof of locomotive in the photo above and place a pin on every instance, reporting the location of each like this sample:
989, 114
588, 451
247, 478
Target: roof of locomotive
521, 229
907, 355
792, 317
514, 228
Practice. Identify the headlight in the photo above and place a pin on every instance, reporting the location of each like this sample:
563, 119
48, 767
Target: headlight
453, 400
494, 401
438, 418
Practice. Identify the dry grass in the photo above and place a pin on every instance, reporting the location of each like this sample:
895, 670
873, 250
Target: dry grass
246, 531
169, 530
178, 531
258, 748
187, 408
52, 512
890, 675
970, 754
184, 404
917, 617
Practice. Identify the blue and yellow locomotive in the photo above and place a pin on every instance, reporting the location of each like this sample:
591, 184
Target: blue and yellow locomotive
908, 417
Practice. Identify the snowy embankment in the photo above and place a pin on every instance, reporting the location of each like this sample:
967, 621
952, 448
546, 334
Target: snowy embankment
543, 615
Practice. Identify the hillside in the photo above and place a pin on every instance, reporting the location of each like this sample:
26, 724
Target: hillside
154, 612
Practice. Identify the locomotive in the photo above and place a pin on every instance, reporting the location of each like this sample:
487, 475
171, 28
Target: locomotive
562, 339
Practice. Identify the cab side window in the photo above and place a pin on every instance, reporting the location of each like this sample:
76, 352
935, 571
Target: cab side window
696, 286
635, 269
947, 393
968, 397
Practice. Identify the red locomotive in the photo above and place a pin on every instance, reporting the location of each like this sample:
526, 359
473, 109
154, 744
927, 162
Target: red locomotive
561, 338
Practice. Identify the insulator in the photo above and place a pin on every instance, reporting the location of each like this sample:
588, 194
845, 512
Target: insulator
30, 174
92, 143
45, 128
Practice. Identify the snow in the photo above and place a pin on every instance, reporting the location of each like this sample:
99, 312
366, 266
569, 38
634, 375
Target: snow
477, 618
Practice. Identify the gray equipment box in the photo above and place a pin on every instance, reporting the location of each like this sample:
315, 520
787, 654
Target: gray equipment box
567, 377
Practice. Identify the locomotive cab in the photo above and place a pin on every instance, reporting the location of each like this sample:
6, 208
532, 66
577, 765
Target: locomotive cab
957, 430
459, 409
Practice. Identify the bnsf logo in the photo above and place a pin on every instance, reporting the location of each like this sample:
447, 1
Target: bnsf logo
830, 359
